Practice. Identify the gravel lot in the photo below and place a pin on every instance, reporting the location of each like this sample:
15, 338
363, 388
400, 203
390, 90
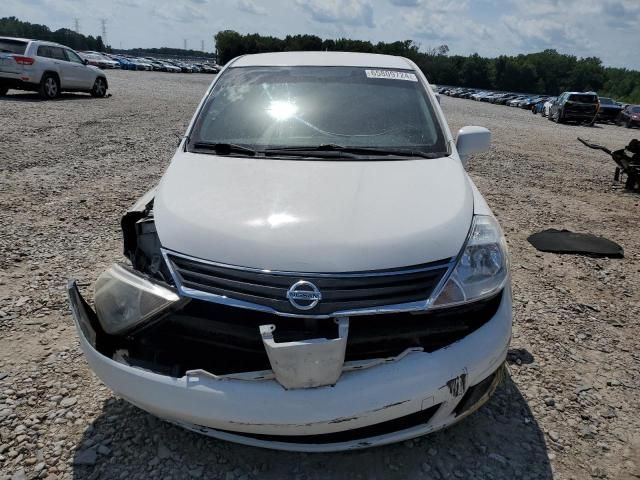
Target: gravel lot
69, 168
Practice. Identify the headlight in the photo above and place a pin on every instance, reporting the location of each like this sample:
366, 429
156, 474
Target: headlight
483, 268
124, 300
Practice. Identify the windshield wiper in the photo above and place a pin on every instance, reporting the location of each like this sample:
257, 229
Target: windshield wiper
358, 151
224, 148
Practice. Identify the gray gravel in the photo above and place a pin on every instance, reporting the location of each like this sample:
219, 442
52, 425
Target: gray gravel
71, 167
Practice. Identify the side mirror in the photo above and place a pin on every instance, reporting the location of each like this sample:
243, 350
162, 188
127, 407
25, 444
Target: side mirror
472, 140
85, 61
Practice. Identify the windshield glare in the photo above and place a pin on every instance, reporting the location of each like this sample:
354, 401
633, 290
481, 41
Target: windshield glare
274, 107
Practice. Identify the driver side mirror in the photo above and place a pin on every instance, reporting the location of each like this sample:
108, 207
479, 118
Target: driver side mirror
85, 61
472, 140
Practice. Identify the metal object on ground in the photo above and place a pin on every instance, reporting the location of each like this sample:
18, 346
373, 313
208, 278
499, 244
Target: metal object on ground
627, 162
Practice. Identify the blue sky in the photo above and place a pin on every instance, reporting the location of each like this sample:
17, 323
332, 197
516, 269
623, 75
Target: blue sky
609, 29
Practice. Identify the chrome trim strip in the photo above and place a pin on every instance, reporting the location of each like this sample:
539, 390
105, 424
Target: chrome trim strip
232, 302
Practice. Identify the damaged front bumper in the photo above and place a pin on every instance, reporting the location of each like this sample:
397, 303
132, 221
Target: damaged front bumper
391, 400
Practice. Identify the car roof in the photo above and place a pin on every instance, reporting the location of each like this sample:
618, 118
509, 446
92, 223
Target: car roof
44, 42
328, 59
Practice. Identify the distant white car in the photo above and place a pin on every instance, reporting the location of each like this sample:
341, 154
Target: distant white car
288, 291
99, 60
547, 107
47, 68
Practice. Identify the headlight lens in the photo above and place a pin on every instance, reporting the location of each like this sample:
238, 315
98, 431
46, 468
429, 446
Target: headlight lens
124, 300
482, 269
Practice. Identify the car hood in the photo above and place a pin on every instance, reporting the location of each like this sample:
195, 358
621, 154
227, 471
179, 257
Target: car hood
313, 215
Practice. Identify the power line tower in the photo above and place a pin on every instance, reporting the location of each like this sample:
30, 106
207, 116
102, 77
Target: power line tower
103, 24
76, 25
184, 42
202, 45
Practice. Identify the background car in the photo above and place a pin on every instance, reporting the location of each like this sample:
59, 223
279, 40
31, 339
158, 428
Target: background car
609, 110
546, 107
575, 106
629, 116
48, 68
125, 63
99, 60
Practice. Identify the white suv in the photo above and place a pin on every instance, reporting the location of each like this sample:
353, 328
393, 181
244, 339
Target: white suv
315, 271
47, 68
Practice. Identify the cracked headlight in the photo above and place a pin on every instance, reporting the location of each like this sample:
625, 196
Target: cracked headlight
124, 300
483, 268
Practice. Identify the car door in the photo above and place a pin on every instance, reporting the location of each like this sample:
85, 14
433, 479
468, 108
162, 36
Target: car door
83, 76
59, 59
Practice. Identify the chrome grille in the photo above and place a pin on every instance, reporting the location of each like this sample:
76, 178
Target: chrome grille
266, 290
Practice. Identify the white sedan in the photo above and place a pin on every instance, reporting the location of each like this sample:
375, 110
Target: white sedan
315, 270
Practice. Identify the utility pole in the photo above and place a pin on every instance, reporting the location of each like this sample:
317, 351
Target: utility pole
76, 25
103, 24
184, 42
202, 45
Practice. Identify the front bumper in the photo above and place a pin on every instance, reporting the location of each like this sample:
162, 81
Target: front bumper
393, 401
569, 114
608, 115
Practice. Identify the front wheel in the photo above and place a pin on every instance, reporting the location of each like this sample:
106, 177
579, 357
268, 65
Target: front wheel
99, 89
628, 124
49, 86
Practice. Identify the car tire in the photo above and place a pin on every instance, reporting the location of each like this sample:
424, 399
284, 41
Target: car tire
628, 124
3, 90
99, 89
49, 86
559, 118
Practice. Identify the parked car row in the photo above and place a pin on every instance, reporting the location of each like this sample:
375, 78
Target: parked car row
128, 62
569, 106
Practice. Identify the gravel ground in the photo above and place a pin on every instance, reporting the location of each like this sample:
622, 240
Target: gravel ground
71, 167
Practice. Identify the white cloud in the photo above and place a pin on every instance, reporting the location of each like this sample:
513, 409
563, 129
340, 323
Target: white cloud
608, 29
406, 3
250, 6
347, 12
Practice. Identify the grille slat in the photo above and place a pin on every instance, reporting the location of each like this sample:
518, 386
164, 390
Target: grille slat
340, 291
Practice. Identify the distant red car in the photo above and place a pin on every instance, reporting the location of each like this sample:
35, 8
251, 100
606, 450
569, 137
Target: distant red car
629, 116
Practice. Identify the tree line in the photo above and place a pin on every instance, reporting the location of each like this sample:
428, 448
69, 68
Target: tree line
547, 72
12, 27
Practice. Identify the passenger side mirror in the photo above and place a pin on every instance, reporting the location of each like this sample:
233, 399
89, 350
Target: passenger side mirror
472, 140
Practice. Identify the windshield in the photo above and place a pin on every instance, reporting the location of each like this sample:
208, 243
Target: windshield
634, 109
275, 107
606, 101
583, 98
